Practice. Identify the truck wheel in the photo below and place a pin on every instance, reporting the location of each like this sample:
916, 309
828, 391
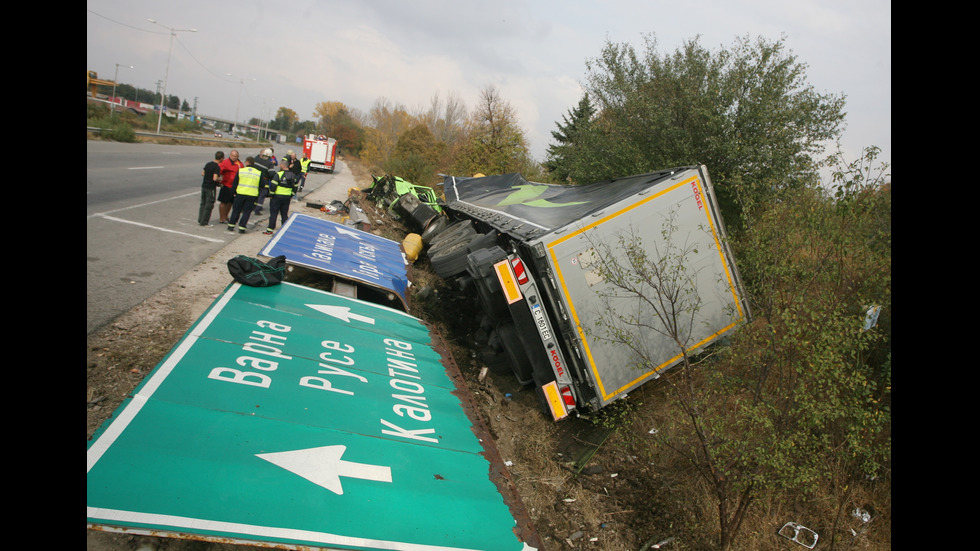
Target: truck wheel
452, 230
451, 259
462, 237
434, 228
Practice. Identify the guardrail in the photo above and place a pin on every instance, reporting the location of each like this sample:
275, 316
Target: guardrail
191, 137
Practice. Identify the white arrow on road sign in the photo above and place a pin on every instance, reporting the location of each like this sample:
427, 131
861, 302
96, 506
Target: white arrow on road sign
324, 467
340, 312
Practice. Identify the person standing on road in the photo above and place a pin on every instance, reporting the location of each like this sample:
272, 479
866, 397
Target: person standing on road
226, 194
281, 191
293, 162
295, 167
304, 164
212, 177
266, 163
249, 181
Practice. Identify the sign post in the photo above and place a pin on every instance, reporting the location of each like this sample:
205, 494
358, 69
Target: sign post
288, 415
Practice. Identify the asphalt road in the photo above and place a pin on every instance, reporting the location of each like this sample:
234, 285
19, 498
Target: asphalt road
141, 220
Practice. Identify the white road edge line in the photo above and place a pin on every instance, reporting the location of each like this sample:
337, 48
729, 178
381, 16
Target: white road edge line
114, 219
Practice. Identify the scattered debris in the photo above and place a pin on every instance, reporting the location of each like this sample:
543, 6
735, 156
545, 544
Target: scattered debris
335, 207
871, 318
650, 545
865, 517
800, 534
861, 515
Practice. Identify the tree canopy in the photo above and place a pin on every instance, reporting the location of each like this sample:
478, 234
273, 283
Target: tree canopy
745, 111
494, 142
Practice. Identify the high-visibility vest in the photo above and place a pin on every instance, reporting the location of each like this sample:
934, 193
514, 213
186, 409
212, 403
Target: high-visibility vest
280, 189
248, 181
305, 163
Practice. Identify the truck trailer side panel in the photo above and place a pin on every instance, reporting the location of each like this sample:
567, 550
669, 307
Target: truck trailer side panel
560, 235
697, 238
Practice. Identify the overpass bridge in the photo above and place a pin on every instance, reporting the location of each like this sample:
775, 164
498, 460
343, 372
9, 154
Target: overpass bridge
219, 124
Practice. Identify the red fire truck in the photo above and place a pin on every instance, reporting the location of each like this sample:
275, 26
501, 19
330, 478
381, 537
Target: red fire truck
321, 151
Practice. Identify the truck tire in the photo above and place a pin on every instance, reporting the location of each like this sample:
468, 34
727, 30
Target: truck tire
464, 236
434, 228
451, 230
451, 259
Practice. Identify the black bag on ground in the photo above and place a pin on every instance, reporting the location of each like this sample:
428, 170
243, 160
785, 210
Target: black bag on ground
253, 272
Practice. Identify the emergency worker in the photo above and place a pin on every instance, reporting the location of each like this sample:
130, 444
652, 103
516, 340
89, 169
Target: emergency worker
267, 164
304, 164
249, 183
281, 190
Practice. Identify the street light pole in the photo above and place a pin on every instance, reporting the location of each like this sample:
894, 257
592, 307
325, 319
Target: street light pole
163, 97
240, 89
267, 114
112, 106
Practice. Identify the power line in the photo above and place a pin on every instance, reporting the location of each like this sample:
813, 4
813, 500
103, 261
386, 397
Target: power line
216, 75
123, 24
184, 47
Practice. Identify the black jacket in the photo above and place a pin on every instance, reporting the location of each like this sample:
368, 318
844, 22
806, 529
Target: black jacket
267, 167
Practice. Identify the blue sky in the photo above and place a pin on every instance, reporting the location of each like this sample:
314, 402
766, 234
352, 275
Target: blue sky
534, 52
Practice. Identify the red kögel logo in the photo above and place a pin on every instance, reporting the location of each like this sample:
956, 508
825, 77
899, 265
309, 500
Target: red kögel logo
558, 368
697, 194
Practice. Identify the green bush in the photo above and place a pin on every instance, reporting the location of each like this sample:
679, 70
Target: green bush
120, 132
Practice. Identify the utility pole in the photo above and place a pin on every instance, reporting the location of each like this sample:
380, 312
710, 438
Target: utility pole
163, 99
115, 80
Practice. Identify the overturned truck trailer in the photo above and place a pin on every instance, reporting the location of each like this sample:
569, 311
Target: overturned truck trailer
531, 252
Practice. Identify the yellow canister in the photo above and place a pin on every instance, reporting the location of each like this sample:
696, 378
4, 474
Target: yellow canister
412, 245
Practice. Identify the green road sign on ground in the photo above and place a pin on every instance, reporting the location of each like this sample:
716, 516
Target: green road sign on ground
288, 415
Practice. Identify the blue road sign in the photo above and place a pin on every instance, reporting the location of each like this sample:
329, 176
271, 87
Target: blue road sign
341, 250
288, 415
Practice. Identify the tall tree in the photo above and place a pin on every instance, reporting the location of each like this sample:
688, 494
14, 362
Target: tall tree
284, 120
445, 119
495, 142
746, 112
569, 135
386, 123
417, 155
340, 122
